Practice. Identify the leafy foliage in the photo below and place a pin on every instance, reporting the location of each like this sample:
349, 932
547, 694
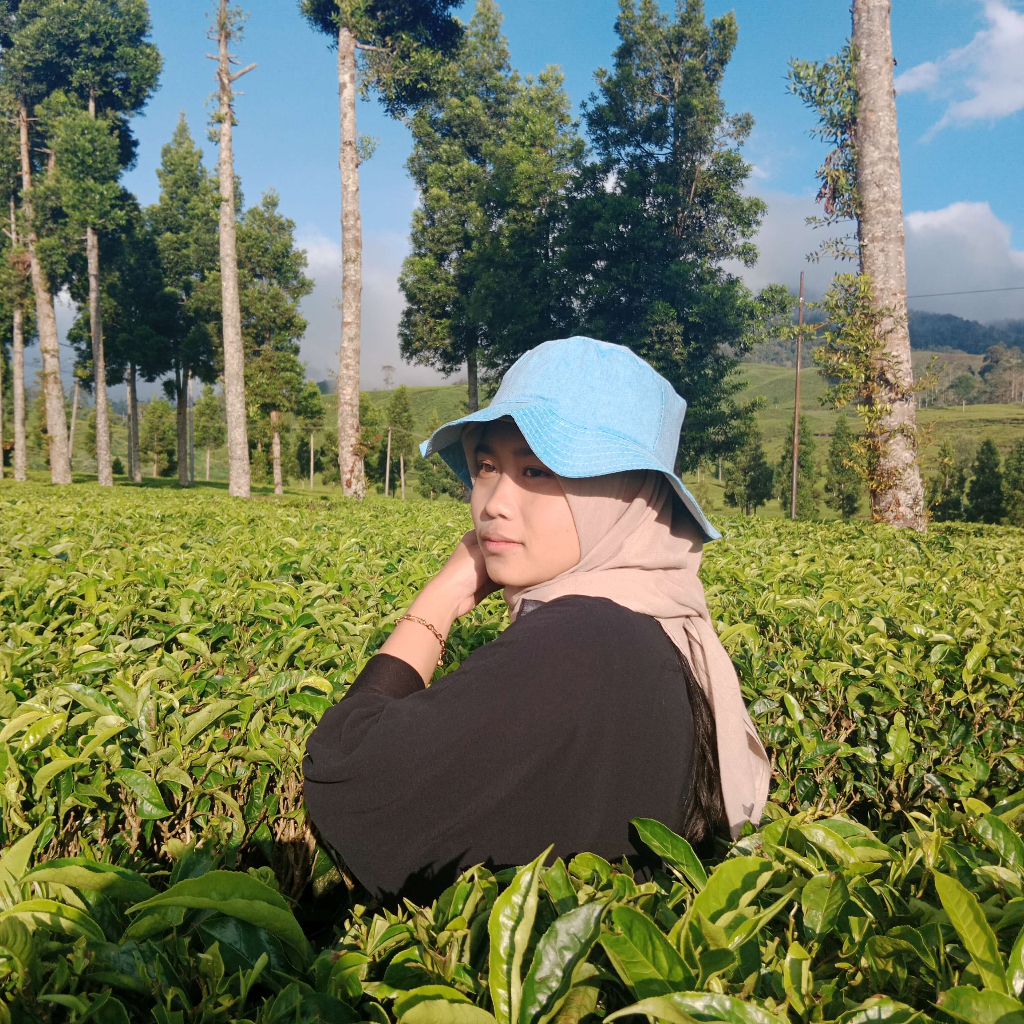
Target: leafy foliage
163, 656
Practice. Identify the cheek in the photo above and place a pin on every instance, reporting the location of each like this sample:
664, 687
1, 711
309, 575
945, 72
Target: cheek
560, 542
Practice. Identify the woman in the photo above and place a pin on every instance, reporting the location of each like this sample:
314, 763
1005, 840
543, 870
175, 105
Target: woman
608, 697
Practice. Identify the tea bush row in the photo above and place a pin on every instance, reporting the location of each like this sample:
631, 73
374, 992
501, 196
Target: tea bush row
163, 656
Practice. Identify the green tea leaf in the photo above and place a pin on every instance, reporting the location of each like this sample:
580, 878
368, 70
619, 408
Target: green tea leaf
673, 849
150, 803
642, 956
967, 917
566, 943
986, 1006
509, 926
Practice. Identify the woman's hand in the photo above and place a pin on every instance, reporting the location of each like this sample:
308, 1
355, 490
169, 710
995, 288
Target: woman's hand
460, 585
463, 578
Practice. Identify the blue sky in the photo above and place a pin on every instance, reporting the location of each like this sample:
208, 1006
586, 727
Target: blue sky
960, 106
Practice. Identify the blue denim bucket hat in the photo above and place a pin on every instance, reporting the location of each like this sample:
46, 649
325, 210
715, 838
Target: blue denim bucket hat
586, 408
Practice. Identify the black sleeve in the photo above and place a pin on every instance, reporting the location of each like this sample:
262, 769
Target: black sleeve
559, 731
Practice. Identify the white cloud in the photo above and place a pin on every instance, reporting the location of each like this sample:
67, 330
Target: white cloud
382, 304
990, 68
961, 247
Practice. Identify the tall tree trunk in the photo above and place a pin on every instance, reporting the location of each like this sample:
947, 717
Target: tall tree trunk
46, 320
130, 417
104, 472
350, 462
880, 228
18, 371
155, 469
275, 450
71, 432
191, 435
207, 463
401, 470
181, 422
471, 379
234, 353
133, 422
311, 461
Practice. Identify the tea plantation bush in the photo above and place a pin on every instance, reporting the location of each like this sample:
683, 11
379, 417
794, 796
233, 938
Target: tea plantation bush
164, 655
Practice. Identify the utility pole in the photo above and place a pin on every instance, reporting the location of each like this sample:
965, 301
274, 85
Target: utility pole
796, 403
387, 467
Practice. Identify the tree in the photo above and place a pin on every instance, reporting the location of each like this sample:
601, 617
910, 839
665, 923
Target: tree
400, 420
947, 487
142, 317
309, 414
749, 479
273, 284
101, 69
962, 387
19, 80
208, 423
654, 220
806, 473
158, 436
228, 27
1013, 485
854, 97
985, 500
184, 226
843, 481
275, 380
372, 438
16, 304
403, 45
491, 158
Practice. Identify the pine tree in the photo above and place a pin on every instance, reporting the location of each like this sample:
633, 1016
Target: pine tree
158, 436
985, 501
749, 479
272, 285
184, 226
400, 420
209, 427
946, 489
843, 484
1013, 485
655, 220
404, 46
807, 471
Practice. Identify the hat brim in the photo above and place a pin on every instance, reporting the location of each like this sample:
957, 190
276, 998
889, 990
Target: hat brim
566, 448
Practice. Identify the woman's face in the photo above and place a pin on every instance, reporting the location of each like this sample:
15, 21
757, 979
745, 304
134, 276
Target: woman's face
522, 519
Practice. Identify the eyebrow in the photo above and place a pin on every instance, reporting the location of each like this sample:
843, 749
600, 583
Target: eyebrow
522, 452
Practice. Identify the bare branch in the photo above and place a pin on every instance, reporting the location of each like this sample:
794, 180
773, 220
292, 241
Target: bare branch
370, 47
238, 74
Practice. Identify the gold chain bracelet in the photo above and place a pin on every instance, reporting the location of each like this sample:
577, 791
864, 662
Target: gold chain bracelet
423, 622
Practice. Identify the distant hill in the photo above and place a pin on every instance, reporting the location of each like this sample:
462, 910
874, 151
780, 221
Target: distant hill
933, 332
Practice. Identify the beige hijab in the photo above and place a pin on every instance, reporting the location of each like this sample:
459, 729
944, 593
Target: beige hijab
641, 549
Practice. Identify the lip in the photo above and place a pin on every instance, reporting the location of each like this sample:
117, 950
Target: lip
499, 544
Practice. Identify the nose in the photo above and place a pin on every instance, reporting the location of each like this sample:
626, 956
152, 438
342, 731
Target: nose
500, 502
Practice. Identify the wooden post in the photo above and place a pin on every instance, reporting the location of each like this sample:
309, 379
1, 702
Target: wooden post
401, 469
796, 402
387, 468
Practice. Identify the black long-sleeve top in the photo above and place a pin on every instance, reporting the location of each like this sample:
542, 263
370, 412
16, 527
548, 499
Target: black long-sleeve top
575, 720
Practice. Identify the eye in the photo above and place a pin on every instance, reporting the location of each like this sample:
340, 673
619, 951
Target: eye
534, 473
483, 467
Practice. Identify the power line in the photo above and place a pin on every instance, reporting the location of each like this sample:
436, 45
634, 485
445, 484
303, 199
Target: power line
973, 291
